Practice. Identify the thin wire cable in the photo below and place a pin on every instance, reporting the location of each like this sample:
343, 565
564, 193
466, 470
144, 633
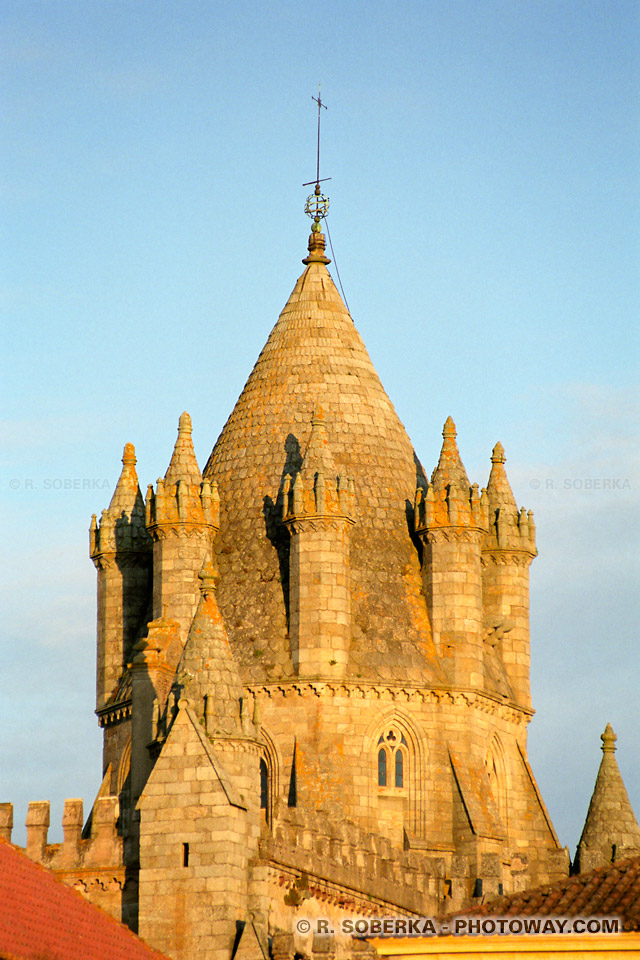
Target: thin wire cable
335, 263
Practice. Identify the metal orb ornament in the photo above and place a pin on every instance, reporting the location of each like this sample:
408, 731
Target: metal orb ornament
316, 207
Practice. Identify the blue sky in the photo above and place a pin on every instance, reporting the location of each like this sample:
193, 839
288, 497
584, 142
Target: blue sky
484, 218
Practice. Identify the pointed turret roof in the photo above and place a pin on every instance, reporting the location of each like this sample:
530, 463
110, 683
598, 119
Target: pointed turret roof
499, 489
183, 464
207, 667
314, 355
122, 525
450, 469
127, 497
611, 826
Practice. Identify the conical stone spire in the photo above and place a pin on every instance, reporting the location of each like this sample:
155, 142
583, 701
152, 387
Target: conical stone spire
611, 830
126, 496
450, 469
207, 670
122, 525
315, 356
508, 528
498, 488
183, 464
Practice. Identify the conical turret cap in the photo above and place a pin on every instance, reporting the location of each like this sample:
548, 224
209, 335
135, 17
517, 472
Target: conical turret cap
127, 506
127, 496
183, 464
207, 668
450, 470
499, 489
315, 356
611, 824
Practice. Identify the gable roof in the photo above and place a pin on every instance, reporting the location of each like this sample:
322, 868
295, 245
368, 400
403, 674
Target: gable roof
42, 919
612, 891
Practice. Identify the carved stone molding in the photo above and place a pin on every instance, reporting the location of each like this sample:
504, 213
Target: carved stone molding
502, 558
318, 522
392, 693
453, 535
114, 713
183, 528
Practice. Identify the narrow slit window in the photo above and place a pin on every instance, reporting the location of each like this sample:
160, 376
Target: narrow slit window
264, 785
185, 854
382, 767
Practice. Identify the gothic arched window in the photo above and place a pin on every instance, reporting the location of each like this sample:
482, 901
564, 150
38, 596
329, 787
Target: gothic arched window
393, 755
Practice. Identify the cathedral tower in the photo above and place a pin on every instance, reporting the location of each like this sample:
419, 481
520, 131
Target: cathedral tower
329, 695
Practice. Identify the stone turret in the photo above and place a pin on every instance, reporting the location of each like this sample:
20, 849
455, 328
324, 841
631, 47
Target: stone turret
507, 551
611, 830
450, 519
199, 810
317, 510
120, 548
182, 518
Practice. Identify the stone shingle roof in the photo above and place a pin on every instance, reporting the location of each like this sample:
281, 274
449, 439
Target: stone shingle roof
611, 826
41, 917
207, 667
612, 891
313, 357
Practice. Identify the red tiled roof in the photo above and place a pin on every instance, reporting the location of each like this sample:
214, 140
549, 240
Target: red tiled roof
612, 891
42, 919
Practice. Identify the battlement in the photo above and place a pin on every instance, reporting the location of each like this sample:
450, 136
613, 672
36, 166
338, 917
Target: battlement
96, 846
452, 506
343, 854
511, 530
317, 490
328, 496
182, 503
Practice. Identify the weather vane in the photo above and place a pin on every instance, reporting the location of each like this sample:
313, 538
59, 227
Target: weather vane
317, 205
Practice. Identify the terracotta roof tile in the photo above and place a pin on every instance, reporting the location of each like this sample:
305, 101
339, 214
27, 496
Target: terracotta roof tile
613, 890
41, 917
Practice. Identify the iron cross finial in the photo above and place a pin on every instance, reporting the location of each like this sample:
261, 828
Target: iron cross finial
317, 205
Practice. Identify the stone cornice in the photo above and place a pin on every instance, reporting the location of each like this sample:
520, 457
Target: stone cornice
182, 528
394, 693
502, 556
453, 534
114, 713
317, 522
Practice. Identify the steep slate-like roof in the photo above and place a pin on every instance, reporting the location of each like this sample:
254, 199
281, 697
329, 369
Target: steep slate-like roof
313, 357
42, 918
612, 891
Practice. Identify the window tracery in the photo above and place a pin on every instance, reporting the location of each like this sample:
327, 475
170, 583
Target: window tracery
393, 757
